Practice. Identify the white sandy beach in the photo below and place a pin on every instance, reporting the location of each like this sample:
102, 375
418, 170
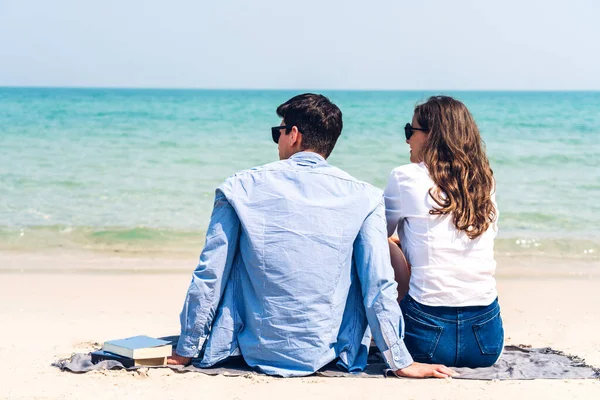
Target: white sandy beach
55, 303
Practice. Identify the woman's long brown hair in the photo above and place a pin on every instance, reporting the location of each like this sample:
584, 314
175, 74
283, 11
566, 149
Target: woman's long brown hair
455, 157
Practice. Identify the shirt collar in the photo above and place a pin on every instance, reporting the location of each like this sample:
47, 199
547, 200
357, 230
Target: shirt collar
308, 156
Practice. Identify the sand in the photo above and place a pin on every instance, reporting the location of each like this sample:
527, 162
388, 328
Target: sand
55, 303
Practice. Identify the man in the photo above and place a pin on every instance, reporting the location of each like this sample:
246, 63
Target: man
296, 264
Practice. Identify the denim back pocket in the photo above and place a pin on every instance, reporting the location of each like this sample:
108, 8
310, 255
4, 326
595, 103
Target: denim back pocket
421, 338
490, 335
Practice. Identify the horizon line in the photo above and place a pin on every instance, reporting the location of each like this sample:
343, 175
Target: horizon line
286, 89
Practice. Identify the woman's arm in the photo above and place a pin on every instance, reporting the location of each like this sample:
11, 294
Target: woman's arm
400, 266
394, 215
393, 203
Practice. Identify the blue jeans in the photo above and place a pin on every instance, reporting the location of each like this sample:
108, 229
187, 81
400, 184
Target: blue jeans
453, 336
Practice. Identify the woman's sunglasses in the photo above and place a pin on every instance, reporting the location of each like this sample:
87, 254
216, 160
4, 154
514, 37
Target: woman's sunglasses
276, 131
409, 130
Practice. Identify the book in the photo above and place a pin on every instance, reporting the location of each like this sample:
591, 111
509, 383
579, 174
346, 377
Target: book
139, 347
101, 355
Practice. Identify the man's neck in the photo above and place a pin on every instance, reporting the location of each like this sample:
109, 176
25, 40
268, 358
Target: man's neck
308, 151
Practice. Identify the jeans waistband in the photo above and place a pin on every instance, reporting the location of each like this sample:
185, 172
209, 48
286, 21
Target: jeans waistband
452, 314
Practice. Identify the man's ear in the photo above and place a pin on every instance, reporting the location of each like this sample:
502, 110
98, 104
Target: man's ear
295, 137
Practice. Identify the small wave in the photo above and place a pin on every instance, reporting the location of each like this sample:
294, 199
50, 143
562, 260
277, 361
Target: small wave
191, 161
583, 159
167, 144
535, 221
549, 246
137, 239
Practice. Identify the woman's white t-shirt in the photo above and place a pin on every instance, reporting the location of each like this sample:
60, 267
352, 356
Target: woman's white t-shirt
447, 268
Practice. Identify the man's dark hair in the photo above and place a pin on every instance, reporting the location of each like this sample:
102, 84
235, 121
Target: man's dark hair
317, 118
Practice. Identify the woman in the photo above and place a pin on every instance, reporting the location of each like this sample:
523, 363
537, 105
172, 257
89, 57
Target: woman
443, 208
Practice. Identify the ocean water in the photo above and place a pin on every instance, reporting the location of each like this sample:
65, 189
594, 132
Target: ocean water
117, 169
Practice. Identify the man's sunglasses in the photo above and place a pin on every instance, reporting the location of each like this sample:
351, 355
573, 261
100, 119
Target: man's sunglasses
276, 131
409, 130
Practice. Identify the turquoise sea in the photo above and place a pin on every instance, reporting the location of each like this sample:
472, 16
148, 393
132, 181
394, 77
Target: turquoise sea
120, 169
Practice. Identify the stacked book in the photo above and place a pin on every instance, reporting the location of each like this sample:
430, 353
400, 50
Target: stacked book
135, 351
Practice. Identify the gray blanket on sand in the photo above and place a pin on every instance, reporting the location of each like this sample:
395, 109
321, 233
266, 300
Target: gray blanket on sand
515, 363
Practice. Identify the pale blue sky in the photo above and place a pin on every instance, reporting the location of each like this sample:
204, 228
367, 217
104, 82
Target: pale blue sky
386, 44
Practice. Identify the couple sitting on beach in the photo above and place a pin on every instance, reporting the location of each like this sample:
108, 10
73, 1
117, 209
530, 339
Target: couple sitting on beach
299, 268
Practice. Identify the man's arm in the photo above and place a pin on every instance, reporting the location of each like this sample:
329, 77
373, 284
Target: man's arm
372, 258
208, 280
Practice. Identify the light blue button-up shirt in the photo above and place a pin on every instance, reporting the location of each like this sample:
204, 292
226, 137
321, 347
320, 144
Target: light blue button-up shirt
295, 270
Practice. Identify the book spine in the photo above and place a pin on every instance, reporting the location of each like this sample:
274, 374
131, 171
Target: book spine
126, 362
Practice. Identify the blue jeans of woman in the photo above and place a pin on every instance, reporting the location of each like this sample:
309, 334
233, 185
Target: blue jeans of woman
454, 336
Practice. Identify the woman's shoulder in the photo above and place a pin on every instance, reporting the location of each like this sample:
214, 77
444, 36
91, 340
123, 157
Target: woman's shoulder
407, 172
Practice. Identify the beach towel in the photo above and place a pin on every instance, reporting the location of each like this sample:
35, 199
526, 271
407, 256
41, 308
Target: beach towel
516, 363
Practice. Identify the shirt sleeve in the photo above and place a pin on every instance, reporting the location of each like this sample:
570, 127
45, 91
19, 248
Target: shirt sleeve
376, 276
209, 278
393, 203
